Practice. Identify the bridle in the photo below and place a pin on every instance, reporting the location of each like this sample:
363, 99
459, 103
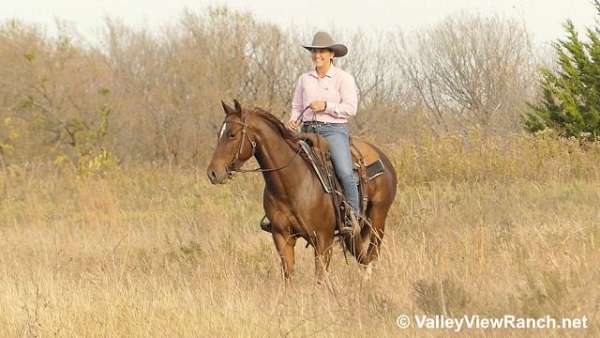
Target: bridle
231, 164
230, 168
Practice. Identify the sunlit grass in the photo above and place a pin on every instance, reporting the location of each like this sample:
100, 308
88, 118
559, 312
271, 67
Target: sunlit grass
479, 226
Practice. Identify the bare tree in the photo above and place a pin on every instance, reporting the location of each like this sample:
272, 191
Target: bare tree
470, 70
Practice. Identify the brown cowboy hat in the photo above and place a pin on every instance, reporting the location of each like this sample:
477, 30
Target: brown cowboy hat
324, 40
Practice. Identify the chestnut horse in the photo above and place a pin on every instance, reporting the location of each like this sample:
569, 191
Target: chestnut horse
293, 199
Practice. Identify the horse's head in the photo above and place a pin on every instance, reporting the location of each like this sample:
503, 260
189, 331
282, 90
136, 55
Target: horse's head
234, 145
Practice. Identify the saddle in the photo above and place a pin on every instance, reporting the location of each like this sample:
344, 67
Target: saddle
366, 164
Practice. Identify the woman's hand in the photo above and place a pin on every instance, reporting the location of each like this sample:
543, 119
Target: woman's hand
318, 106
293, 126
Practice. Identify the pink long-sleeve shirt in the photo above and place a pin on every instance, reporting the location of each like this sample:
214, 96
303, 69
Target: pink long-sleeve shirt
337, 87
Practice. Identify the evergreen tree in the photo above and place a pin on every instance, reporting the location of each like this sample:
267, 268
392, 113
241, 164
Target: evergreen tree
571, 94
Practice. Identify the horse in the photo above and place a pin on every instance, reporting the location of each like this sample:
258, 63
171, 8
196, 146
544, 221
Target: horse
293, 199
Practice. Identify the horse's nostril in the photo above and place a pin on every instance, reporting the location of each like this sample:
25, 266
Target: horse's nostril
211, 175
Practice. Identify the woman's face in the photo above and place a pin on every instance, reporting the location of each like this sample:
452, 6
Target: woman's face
321, 56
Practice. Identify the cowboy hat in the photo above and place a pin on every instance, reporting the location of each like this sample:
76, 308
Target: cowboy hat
324, 40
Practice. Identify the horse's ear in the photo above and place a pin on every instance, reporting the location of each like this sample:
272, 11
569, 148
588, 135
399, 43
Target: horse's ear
228, 110
238, 106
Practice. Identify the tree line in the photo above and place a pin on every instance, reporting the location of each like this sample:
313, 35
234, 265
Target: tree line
138, 95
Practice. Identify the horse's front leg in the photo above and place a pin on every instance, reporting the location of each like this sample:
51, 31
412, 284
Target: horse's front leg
285, 243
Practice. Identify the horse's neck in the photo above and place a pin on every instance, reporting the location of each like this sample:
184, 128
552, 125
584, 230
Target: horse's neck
274, 152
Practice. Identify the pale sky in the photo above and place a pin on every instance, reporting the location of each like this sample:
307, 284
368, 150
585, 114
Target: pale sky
543, 18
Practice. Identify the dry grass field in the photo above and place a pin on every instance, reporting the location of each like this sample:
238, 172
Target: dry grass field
481, 225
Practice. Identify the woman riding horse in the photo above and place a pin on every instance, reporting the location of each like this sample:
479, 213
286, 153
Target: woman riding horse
293, 198
323, 101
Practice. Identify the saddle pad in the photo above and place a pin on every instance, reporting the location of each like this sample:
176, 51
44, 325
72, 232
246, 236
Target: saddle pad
374, 169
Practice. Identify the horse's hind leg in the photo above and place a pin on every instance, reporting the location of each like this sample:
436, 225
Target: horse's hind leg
323, 249
285, 247
377, 213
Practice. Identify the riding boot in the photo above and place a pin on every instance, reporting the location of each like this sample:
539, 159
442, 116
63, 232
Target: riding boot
353, 228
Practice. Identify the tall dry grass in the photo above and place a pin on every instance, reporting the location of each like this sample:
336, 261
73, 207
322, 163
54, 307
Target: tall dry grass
480, 226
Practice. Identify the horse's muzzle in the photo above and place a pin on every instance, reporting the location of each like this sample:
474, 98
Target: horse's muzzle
217, 176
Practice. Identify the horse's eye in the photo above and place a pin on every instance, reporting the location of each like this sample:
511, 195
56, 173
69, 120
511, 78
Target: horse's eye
231, 135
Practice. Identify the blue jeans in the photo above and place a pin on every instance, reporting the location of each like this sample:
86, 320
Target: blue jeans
337, 136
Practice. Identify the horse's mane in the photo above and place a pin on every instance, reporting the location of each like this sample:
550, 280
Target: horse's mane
276, 124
